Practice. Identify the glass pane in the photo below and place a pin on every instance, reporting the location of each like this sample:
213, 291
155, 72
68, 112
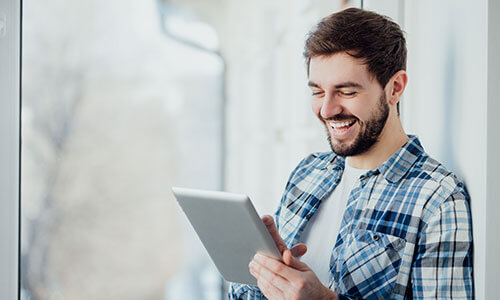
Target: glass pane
115, 112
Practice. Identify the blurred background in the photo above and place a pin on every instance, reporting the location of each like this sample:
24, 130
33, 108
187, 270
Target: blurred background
123, 99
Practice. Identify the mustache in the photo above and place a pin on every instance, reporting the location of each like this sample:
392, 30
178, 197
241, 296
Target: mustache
341, 117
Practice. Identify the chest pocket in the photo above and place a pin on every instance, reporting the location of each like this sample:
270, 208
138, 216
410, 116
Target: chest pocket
370, 265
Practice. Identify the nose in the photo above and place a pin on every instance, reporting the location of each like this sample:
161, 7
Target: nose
331, 106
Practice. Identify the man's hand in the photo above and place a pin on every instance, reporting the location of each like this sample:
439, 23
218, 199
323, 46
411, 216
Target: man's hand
290, 279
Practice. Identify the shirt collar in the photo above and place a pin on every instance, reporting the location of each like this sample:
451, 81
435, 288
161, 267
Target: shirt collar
401, 161
392, 169
331, 161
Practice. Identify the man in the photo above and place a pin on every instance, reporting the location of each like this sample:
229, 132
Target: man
380, 218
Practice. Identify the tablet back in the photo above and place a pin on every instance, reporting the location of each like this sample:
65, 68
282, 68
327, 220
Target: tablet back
229, 228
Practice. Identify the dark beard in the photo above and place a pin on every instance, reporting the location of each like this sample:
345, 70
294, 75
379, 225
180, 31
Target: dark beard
367, 137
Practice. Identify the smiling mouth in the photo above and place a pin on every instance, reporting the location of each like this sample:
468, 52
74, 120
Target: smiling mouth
342, 130
341, 125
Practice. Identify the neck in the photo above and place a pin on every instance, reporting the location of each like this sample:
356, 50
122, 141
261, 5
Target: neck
391, 139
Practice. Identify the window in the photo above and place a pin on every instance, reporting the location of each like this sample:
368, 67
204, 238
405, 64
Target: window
114, 113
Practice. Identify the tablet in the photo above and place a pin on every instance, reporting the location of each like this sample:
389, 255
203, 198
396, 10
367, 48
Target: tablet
229, 228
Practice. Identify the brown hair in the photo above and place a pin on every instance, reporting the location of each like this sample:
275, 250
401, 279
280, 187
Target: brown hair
363, 34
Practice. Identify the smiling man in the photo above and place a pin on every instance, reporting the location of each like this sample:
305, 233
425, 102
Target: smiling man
376, 218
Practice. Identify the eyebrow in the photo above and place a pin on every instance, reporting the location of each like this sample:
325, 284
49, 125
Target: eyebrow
338, 86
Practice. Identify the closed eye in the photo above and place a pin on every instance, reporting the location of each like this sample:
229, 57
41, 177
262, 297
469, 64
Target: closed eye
348, 93
316, 92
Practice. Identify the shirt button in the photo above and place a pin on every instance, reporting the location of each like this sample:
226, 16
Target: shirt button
376, 237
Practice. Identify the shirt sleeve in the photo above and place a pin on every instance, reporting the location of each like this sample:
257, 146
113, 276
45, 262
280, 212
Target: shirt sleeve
442, 268
249, 292
239, 291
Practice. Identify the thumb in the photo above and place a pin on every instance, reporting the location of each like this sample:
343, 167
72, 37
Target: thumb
299, 250
293, 262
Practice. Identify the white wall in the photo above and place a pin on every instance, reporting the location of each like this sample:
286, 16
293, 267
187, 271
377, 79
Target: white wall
9, 146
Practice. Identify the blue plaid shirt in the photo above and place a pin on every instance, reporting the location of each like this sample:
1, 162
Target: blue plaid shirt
406, 232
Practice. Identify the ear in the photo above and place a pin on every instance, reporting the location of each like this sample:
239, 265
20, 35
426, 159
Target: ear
396, 86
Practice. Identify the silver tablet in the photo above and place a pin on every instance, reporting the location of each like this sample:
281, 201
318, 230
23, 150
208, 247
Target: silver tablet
229, 228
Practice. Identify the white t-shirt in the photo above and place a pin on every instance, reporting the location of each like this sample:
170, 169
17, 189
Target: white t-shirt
321, 231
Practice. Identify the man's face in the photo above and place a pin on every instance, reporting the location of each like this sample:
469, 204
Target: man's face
349, 101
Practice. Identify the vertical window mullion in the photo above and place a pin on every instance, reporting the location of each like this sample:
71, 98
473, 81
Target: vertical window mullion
10, 62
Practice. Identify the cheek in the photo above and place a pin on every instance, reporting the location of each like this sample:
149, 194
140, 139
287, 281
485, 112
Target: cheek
360, 108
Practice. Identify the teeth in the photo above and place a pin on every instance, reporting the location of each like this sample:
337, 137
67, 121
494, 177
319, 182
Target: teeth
340, 124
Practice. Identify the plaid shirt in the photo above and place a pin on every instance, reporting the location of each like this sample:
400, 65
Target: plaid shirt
406, 232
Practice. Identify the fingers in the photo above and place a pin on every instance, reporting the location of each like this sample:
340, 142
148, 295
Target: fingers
269, 290
272, 274
271, 284
299, 250
273, 230
274, 266
293, 262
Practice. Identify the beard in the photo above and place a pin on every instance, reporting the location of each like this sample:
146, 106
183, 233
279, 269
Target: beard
367, 136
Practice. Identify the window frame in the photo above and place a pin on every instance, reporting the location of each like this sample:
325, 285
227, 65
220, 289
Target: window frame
10, 145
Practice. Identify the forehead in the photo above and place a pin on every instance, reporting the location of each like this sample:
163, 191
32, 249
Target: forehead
337, 68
